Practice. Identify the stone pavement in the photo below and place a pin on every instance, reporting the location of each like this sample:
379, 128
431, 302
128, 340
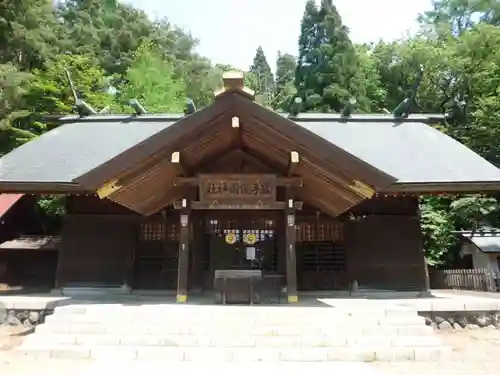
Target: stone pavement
442, 300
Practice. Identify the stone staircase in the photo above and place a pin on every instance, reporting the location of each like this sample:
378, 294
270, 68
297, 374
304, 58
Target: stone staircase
233, 333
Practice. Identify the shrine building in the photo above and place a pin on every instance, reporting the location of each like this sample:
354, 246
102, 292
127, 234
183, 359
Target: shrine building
305, 202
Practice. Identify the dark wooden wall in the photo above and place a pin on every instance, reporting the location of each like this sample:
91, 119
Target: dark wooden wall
29, 269
378, 243
98, 240
384, 246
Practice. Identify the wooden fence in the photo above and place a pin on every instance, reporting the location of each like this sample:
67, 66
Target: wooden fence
465, 279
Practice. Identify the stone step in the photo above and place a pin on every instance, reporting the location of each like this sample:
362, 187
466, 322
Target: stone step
255, 330
304, 341
284, 320
203, 354
222, 312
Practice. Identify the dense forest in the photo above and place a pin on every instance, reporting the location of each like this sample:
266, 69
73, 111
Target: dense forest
114, 53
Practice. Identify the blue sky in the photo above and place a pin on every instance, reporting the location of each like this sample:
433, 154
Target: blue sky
230, 30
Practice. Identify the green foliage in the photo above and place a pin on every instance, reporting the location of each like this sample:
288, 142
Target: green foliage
472, 212
437, 228
52, 206
328, 72
263, 84
151, 79
458, 16
50, 94
13, 86
28, 32
285, 90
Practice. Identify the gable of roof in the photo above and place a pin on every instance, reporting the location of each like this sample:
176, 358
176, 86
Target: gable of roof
409, 151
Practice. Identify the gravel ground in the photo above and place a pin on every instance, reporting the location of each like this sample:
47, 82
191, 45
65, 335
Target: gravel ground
474, 353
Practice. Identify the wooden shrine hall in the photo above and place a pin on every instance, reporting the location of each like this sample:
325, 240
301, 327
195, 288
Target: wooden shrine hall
242, 202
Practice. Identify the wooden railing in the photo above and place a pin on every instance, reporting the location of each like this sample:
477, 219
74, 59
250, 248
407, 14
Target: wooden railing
483, 280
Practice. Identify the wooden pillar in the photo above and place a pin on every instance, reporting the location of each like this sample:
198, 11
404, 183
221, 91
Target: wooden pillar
197, 251
291, 258
426, 287
183, 262
427, 280
130, 260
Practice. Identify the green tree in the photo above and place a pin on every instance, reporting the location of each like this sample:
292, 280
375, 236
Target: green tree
49, 92
285, 91
328, 73
108, 30
437, 229
264, 85
151, 79
307, 62
13, 86
458, 16
376, 93
28, 32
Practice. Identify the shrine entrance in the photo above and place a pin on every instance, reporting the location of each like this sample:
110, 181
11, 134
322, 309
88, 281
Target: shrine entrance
245, 233
240, 240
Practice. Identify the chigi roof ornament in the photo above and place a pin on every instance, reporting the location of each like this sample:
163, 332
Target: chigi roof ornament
138, 108
404, 108
190, 107
82, 107
349, 108
296, 107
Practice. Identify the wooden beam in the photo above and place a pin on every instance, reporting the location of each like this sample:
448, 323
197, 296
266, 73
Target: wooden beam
235, 122
293, 162
108, 188
280, 181
237, 206
333, 171
176, 160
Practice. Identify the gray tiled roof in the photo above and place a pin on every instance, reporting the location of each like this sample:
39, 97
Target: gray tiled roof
487, 244
73, 149
413, 152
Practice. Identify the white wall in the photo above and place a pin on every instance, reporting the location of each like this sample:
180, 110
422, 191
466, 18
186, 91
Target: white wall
481, 260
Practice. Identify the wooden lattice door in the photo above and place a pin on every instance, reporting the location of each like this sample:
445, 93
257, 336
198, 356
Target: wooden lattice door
157, 254
239, 240
321, 256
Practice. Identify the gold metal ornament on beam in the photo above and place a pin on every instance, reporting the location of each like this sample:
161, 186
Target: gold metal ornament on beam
108, 189
362, 189
230, 238
250, 238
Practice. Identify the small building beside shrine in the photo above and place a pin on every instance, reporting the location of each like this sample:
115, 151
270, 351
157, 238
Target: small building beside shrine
483, 248
316, 201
